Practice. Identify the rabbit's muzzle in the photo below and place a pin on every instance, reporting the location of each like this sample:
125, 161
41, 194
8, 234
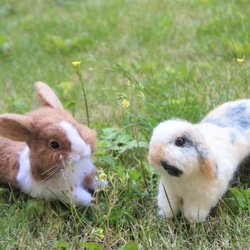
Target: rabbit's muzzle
171, 169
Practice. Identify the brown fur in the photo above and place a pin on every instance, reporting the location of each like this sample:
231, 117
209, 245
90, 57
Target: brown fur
209, 168
89, 179
9, 165
156, 154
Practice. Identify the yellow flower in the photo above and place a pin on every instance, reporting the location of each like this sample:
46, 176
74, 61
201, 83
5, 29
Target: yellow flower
98, 232
76, 63
125, 103
100, 235
140, 94
240, 60
121, 96
128, 83
102, 176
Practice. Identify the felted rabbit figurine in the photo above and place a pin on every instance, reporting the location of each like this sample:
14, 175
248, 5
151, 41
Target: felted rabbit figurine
197, 161
46, 153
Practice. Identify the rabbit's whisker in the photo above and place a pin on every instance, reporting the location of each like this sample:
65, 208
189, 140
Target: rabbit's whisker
59, 168
58, 175
51, 177
55, 166
58, 171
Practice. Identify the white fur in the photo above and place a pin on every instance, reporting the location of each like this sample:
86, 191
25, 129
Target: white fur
193, 191
78, 146
72, 178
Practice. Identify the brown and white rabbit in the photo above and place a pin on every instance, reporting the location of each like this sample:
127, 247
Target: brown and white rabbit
197, 161
46, 153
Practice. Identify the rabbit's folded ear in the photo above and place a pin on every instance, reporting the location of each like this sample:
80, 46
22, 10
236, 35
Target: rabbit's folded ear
15, 127
47, 96
209, 165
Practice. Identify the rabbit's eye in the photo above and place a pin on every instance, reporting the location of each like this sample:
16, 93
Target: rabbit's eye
54, 144
179, 142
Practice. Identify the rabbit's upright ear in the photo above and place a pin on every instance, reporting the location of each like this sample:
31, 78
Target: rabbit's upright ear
47, 96
209, 165
15, 127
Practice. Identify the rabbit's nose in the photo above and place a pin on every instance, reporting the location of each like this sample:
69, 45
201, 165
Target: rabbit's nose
171, 169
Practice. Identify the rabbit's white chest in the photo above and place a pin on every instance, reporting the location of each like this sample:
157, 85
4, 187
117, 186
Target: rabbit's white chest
62, 187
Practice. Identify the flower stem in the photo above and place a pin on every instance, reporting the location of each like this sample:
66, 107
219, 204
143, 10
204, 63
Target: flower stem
86, 103
77, 70
139, 149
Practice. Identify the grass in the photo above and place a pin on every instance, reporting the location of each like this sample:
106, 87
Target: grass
185, 55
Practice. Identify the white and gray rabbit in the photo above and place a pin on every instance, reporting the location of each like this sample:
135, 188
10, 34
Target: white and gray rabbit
197, 161
46, 153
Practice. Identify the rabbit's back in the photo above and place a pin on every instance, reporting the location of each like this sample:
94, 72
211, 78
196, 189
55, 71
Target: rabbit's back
234, 114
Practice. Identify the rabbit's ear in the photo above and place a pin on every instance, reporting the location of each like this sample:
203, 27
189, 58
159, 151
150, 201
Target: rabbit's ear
47, 96
15, 127
209, 165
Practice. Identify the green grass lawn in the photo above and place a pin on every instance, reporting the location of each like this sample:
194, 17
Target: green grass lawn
184, 54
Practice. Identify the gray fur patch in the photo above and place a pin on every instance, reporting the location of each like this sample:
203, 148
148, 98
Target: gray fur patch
232, 136
218, 122
236, 111
236, 117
